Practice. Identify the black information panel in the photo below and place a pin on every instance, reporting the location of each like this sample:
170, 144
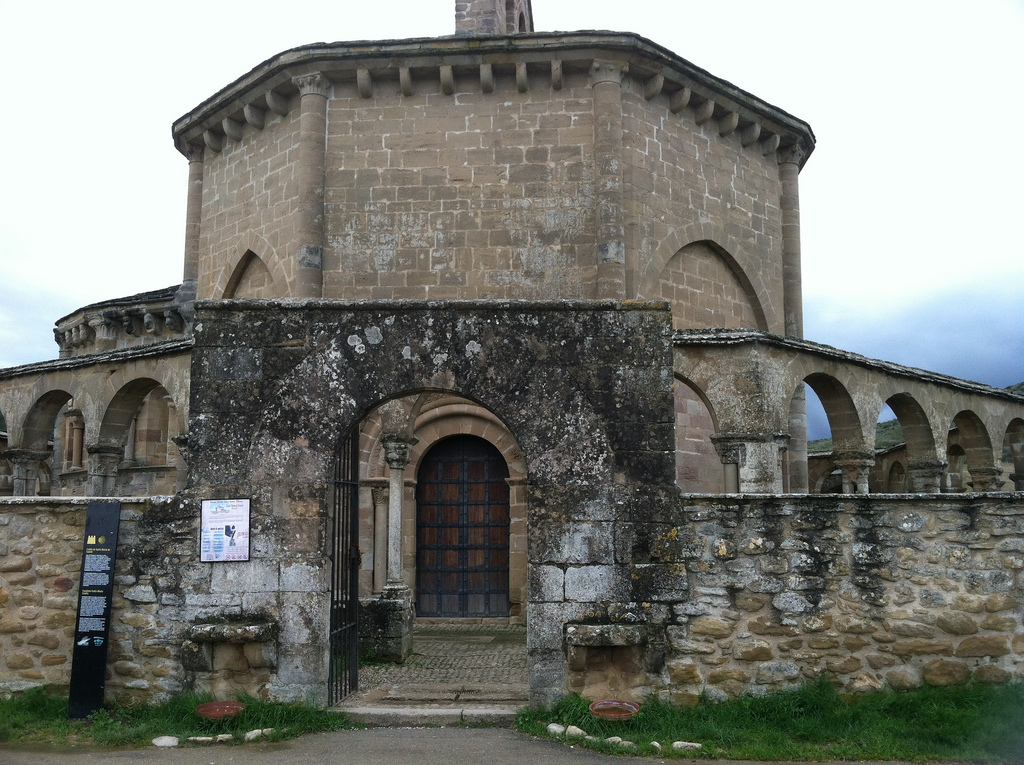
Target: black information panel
92, 627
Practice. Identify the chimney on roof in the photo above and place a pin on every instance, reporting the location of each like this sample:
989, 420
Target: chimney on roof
493, 17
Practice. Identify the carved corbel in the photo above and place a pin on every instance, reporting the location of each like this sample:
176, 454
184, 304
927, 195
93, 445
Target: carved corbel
255, 116
727, 125
653, 86
521, 81
173, 320
405, 80
214, 141
278, 104
704, 112
128, 322
151, 323
771, 144
232, 128
679, 101
750, 134
364, 82
447, 79
182, 442
556, 75
486, 78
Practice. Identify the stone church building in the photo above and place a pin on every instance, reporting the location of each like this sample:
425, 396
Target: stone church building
502, 325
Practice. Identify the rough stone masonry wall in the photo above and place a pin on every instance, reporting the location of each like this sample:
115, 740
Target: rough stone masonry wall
40, 564
762, 593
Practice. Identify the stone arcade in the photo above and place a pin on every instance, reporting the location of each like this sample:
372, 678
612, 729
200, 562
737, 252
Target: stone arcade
527, 307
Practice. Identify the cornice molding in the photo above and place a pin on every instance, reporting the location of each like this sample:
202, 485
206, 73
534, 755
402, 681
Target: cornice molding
532, 60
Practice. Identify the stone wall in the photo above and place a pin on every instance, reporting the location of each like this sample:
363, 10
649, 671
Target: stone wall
761, 593
731, 193
249, 194
584, 388
40, 562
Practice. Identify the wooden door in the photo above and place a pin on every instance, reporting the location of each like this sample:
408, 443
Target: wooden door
462, 528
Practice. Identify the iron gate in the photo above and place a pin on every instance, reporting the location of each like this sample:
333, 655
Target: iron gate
462, 514
344, 633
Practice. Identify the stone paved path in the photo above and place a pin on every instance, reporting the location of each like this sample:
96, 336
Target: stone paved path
459, 672
452, 653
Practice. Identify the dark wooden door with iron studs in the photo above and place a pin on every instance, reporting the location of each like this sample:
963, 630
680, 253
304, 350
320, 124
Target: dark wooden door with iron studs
462, 527
344, 630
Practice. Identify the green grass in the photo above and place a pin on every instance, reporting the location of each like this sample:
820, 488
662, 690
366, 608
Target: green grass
979, 723
39, 717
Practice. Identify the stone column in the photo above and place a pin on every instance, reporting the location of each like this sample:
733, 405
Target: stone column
926, 476
797, 452
312, 163
26, 470
856, 469
790, 159
193, 219
386, 623
77, 427
103, 462
986, 478
381, 508
611, 231
397, 455
752, 463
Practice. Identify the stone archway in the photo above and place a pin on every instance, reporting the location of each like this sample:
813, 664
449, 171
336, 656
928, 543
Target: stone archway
576, 386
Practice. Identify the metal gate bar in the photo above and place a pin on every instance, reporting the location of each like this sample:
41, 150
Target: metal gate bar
344, 632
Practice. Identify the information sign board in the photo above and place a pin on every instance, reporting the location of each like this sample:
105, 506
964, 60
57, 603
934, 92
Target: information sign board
95, 594
224, 535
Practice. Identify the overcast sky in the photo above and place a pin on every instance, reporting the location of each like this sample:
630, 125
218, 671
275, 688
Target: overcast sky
911, 204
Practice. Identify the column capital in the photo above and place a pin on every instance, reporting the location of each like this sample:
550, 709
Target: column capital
986, 478
731, 450
608, 71
396, 452
106, 450
23, 456
794, 154
194, 152
379, 495
856, 468
314, 83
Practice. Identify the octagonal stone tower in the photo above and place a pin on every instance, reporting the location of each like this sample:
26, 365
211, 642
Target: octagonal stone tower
524, 166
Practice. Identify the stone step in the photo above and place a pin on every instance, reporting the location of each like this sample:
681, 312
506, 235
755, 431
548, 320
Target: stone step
413, 704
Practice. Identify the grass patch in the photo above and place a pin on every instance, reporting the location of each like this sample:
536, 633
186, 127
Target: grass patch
40, 717
980, 723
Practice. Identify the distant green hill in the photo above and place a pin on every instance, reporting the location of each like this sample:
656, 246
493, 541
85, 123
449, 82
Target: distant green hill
887, 434
1018, 388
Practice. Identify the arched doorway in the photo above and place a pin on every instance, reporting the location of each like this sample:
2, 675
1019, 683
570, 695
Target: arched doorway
462, 530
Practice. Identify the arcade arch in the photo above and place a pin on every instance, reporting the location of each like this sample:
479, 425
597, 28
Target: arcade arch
1013, 453
969, 454
423, 421
698, 467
